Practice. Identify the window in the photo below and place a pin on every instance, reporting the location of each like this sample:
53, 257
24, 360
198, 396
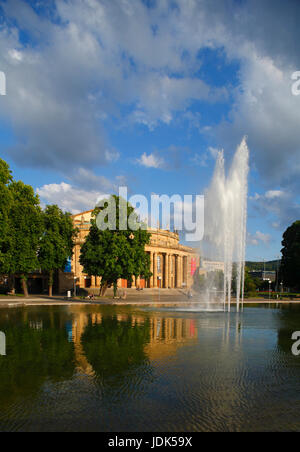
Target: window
158, 264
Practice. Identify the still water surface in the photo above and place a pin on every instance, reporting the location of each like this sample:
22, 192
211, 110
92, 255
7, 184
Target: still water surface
115, 368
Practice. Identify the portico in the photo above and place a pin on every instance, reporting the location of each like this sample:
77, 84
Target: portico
169, 269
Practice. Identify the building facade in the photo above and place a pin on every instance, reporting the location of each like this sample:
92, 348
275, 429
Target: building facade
212, 266
173, 265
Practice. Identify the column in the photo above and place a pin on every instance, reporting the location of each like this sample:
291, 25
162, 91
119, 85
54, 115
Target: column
177, 271
133, 284
154, 269
151, 269
170, 271
185, 272
180, 271
138, 282
166, 271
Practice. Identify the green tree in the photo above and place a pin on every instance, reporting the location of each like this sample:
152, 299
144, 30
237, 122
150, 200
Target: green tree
57, 242
199, 281
113, 253
5, 203
249, 283
290, 263
250, 286
25, 231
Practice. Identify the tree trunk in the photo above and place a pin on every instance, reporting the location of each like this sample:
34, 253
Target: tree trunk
50, 282
103, 289
24, 285
11, 284
115, 289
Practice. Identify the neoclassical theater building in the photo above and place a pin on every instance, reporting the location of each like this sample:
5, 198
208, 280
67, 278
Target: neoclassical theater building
173, 265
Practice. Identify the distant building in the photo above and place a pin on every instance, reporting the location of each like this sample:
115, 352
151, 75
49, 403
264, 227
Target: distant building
211, 266
263, 275
173, 265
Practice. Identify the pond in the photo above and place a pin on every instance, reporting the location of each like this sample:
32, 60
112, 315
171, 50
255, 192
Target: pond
135, 368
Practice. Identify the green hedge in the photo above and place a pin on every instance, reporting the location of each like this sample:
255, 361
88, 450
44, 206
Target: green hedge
280, 295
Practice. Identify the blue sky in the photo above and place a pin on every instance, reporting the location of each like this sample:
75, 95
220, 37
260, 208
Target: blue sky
143, 93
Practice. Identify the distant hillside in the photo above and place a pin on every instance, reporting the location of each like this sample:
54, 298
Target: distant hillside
269, 266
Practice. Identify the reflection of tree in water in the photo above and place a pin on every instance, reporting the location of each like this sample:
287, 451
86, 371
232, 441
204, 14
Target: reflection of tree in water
37, 350
289, 323
115, 348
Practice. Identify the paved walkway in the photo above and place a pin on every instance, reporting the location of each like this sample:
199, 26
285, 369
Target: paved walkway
134, 297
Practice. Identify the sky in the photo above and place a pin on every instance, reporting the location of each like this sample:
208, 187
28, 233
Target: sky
143, 93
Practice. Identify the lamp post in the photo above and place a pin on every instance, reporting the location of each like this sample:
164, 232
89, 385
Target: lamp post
270, 282
277, 275
159, 279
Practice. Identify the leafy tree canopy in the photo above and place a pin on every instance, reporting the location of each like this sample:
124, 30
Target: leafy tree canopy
25, 230
5, 203
57, 242
290, 263
113, 253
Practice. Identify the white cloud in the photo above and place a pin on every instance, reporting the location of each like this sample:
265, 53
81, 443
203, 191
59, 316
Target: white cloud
272, 194
200, 159
151, 161
203, 158
15, 55
258, 238
83, 191
68, 197
87, 65
98, 57
112, 155
268, 113
88, 180
214, 152
279, 205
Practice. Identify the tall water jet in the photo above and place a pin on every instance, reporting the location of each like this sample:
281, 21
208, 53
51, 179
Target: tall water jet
225, 221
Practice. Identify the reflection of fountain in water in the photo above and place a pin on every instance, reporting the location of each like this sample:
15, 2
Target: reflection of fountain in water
225, 227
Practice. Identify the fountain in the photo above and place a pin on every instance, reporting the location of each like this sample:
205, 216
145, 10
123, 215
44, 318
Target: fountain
224, 234
225, 224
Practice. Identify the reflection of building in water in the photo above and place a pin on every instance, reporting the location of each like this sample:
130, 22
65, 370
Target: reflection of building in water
166, 334
36, 325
